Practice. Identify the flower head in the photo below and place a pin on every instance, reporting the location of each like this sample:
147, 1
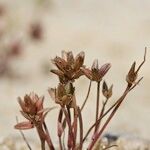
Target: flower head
68, 66
107, 92
96, 73
63, 94
132, 74
32, 110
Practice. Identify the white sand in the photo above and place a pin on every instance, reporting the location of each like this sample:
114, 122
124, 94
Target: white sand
112, 31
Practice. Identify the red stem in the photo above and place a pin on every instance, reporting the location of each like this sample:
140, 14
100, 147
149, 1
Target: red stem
71, 136
81, 128
87, 96
48, 138
108, 120
97, 105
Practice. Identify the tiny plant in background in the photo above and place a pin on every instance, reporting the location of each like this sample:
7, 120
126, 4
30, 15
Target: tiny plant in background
69, 120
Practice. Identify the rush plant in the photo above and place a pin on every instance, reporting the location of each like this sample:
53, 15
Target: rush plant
70, 123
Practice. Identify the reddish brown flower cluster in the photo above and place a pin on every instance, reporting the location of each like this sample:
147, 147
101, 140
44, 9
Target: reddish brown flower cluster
96, 73
63, 94
32, 110
69, 67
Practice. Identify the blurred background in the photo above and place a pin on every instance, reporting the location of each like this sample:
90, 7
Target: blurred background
32, 32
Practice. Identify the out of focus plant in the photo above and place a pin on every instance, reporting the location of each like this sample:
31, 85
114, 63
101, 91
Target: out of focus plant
36, 31
68, 70
8, 52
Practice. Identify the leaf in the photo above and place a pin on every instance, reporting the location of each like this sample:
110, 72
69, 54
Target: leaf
24, 125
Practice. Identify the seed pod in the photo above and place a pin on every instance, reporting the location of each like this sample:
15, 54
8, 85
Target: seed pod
107, 92
132, 74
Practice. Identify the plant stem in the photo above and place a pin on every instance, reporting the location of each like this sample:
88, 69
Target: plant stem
102, 112
87, 96
69, 113
41, 135
90, 129
75, 124
48, 138
109, 118
81, 128
60, 144
23, 136
97, 105
71, 135
63, 142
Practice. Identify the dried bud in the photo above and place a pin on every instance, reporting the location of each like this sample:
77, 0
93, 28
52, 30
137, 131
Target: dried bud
132, 74
68, 66
107, 92
96, 73
63, 94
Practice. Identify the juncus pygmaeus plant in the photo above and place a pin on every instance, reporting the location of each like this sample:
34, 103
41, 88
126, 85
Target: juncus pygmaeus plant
69, 119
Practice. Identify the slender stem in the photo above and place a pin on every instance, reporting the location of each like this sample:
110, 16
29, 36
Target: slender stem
97, 105
102, 112
142, 61
69, 113
48, 138
87, 96
63, 142
75, 124
60, 144
42, 144
90, 129
69, 117
110, 147
81, 128
71, 136
109, 118
41, 135
23, 136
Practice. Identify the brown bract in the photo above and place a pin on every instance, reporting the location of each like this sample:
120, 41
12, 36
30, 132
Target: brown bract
63, 94
96, 73
68, 66
132, 74
32, 110
107, 92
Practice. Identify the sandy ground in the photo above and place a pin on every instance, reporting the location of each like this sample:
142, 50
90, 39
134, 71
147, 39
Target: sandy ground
112, 31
